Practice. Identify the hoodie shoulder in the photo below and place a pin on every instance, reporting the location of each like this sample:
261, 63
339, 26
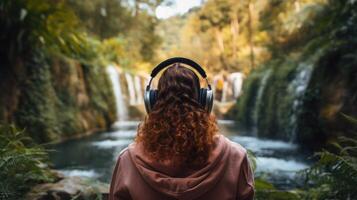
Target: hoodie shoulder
236, 148
123, 156
124, 151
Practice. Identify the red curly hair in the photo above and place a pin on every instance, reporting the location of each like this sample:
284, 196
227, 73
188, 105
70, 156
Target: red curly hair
178, 128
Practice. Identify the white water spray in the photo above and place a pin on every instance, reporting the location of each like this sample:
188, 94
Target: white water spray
298, 87
138, 90
114, 76
131, 89
258, 99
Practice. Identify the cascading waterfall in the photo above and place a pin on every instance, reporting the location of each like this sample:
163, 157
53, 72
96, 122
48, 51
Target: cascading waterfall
131, 89
258, 98
298, 87
237, 82
114, 76
230, 88
139, 94
224, 91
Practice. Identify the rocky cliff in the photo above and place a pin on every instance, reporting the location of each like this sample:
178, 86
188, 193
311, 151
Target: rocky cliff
54, 97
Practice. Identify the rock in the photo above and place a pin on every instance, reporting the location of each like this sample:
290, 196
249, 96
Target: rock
69, 188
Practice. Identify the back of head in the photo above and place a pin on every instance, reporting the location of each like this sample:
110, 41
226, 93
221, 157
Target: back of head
178, 128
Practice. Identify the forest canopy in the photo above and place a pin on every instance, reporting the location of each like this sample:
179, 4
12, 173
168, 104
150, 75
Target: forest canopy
241, 35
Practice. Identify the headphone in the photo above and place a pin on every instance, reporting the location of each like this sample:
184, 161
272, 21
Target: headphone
205, 97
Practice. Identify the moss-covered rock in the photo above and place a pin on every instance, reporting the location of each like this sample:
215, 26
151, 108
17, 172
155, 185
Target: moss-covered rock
302, 97
59, 98
330, 98
36, 110
69, 188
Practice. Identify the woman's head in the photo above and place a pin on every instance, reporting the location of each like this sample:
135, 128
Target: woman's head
180, 84
178, 126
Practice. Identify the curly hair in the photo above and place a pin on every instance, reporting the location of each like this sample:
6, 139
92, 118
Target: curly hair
178, 128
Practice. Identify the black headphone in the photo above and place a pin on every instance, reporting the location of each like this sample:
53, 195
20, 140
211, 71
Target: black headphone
205, 94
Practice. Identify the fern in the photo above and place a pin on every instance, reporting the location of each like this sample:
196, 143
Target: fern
334, 175
22, 163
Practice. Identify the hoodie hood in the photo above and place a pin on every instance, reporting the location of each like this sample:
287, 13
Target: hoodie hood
169, 179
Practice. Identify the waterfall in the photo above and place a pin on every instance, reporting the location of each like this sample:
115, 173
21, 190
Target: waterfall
139, 93
131, 89
258, 98
122, 112
297, 87
227, 89
237, 83
224, 91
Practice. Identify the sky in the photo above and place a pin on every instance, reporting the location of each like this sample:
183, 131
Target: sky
178, 7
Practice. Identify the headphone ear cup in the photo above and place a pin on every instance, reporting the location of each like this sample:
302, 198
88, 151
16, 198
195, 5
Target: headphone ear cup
150, 99
153, 98
209, 100
206, 99
202, 97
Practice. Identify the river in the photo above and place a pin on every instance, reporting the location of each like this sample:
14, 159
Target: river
94, 156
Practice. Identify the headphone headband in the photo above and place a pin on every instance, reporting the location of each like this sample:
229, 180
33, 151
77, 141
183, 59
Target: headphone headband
173, 60
205, 95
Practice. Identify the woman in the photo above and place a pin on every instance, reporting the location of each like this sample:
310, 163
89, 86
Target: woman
178, 152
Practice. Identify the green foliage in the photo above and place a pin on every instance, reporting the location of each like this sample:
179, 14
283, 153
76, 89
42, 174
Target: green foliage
101, 100
102, 17
215, 14
22, 163
64, 98
334, 175
266, 191
41, 24
37, 108
274, 110
309, 35
130, 24
246, 103
45, 51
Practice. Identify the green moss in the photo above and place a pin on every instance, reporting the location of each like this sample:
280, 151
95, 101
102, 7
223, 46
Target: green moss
275, 106
99, 90
246, 103
36, 111
266, 191
62, 98
332, 91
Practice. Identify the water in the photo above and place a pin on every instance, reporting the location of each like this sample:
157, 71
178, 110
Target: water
138, 90
231, 88
224, 91
95, 156
258, 99
298, 87
131, 89
114, 76
237, 82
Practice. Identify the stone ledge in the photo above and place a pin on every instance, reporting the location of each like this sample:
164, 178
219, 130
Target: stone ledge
67, 188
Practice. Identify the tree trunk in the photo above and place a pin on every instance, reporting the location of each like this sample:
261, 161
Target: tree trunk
250, 37
235, 34
219, 39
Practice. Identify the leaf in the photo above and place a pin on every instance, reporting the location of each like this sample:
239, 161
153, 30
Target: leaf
349, 118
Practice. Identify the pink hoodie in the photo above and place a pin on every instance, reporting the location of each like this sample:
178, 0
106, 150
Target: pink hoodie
227, 175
